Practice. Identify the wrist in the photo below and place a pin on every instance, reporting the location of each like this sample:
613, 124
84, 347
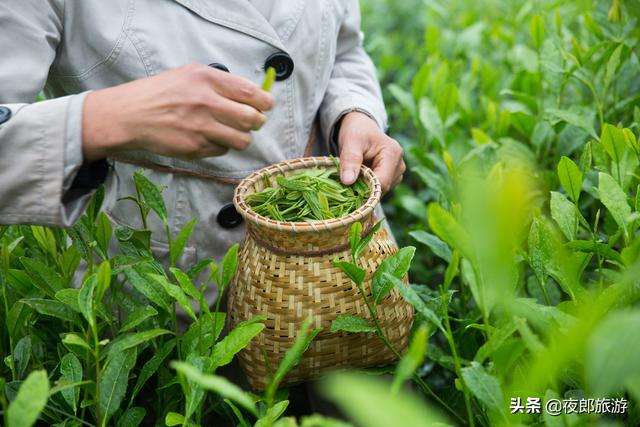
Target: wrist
104, 129
356, 118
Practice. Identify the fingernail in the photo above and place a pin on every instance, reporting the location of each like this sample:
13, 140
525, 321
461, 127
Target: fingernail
348, 177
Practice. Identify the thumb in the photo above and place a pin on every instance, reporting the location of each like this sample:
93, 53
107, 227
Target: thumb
351, 156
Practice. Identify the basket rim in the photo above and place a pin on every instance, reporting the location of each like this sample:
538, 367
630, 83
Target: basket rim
305, 226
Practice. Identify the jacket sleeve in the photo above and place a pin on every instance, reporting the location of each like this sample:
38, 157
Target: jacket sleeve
42, 176
353, 85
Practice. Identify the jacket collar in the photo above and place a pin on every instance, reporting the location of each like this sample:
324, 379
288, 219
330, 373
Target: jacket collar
240, 15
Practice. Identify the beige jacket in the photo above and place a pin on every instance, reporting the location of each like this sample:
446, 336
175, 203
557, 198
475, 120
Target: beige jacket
69, 47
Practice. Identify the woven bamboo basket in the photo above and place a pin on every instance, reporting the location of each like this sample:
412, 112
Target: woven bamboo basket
285, 272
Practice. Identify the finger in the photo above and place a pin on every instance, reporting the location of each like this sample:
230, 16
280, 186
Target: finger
388, 166
236, 115
351, 156
221, 134
241, 90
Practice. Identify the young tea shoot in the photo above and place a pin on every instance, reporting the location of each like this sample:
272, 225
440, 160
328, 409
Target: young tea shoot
310, 195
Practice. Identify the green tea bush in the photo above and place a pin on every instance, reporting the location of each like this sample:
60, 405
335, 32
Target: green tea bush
520, 121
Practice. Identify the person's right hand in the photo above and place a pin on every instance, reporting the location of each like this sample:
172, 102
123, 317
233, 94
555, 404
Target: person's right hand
190, 112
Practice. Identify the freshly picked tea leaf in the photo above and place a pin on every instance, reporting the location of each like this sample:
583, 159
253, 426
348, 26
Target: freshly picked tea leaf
310, 195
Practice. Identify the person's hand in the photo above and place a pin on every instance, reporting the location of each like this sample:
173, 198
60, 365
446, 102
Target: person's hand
362, 141
190, 112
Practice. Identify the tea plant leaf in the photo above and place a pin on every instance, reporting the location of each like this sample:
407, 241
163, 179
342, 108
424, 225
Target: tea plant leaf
113, 384
403, 97
447, 100
241, 419
43, 276
577, 117
187, 286
151, 194
75, 339
139, 278
497, 339
412, 359
235, 341
104, 232
355, 273
152, 366
175, 419
85, 300
180, 241
21, 355
95, 204
69, 297
586, 159
137, 316
195, 270
104, 280
31, 399
437, 246
355, 234
272, 414
176, 293
564, 214
128, 341
397, 265
536, 29
590, 246
547, 256
613, 141
364, 242
219, 385
614, 199
51, 308
132, 417
229, 264
431, 120
570, 178
615, 338
414, 299
201, 335
612, 65
16, 319
449, 230
292, 356
352, 324
19, 280
71, 371
366, 400
484, 386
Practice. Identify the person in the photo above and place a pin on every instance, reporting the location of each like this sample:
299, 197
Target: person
129, 79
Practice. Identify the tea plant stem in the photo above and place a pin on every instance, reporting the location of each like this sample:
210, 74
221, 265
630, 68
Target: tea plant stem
142, 215
458, 366
97, 357
380, 333
175, 329
12, 363
215, 315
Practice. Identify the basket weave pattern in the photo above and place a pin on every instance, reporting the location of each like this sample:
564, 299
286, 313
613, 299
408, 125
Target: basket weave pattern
285, 272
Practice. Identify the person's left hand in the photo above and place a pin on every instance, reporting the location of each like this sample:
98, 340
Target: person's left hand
362, 141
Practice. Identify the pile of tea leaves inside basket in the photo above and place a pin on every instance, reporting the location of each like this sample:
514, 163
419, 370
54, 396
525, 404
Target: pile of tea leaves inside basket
310, 195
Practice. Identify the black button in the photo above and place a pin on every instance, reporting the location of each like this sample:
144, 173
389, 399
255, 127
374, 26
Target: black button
219, 66
282, 63
228, 217
5, 114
